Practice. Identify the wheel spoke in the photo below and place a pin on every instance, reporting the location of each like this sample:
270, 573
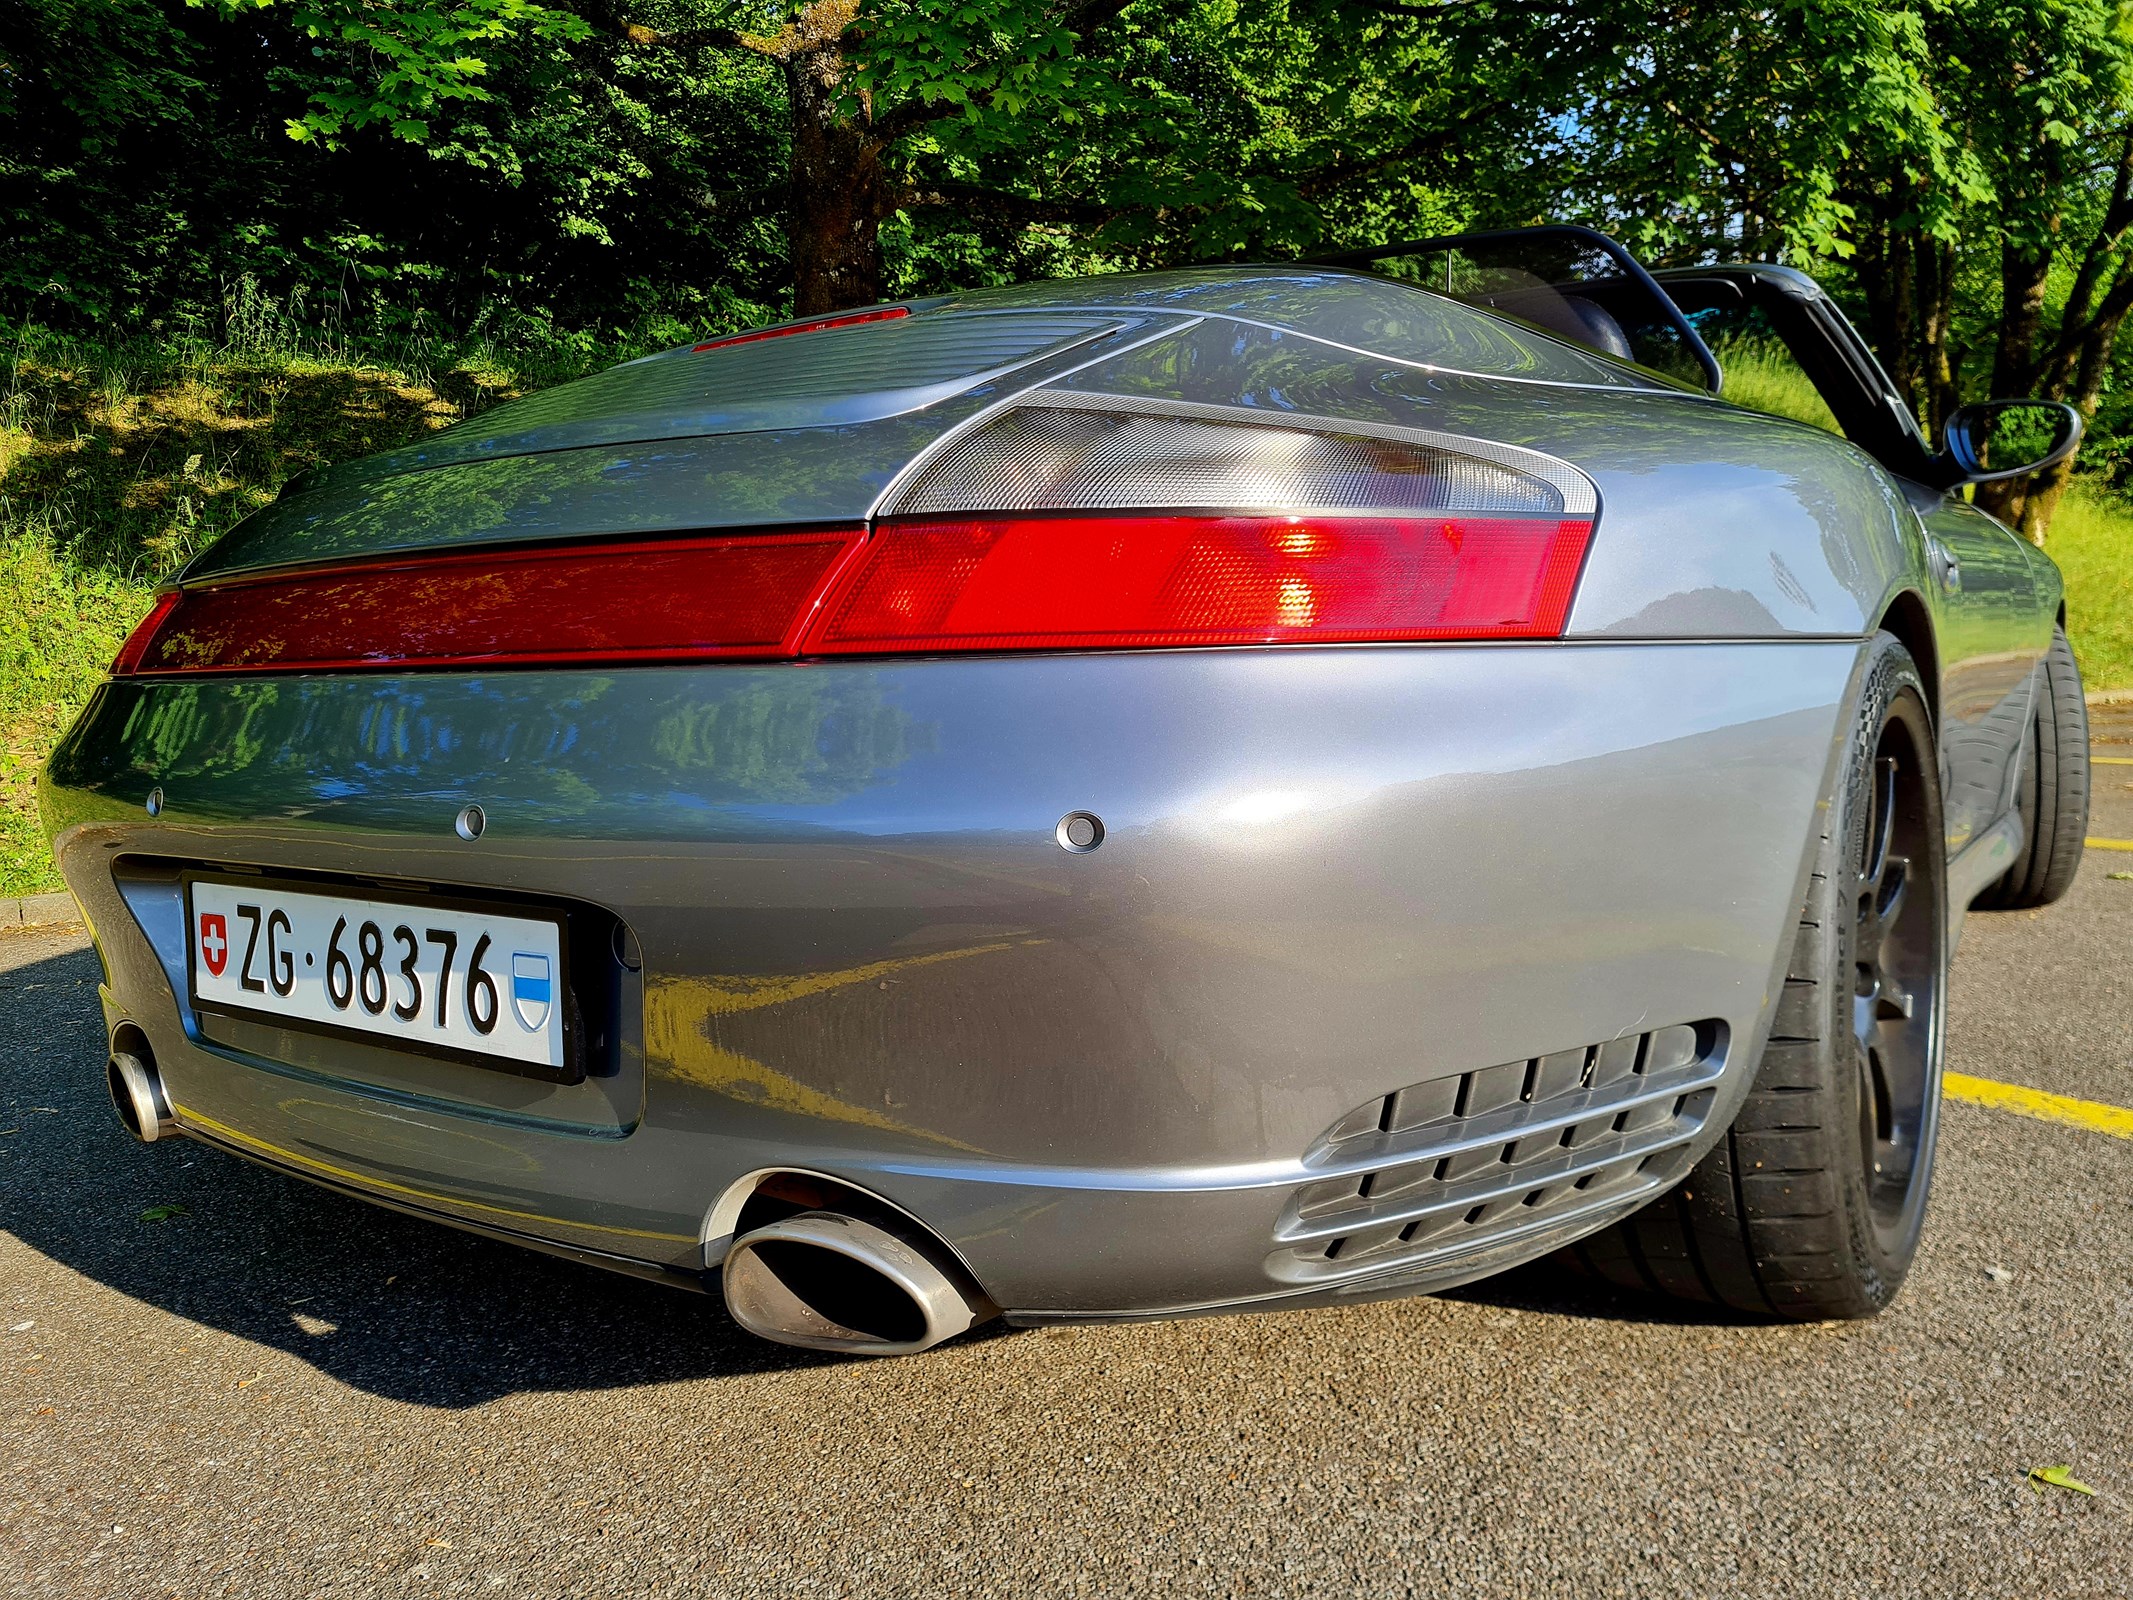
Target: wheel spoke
1882, 824
1895, 882
1891, 1002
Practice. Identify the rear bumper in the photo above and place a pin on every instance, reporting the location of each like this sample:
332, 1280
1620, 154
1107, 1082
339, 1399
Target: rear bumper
1106, 1079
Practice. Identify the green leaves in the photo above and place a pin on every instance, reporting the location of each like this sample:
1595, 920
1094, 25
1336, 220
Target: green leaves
405, 60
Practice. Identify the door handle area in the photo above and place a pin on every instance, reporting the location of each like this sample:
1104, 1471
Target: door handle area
1945, 566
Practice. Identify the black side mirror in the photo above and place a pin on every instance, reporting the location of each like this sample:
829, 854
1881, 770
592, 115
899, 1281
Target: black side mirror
1992, 439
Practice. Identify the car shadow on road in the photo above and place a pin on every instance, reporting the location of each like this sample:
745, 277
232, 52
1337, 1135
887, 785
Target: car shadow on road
395, 1306
1554, 1287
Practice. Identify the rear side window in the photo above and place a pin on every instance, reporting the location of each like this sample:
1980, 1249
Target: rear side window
1761, 372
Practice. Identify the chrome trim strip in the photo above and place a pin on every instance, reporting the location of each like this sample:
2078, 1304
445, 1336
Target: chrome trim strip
1433, 368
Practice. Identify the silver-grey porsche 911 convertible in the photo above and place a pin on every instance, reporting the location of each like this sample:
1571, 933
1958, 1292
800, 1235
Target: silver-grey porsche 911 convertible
1208, 791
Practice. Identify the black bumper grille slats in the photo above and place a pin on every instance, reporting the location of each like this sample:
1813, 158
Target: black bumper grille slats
1458, 1162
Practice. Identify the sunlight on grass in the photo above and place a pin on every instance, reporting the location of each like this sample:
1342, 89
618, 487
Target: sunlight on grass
1766, 379
2092, 540
119, 462
60, 624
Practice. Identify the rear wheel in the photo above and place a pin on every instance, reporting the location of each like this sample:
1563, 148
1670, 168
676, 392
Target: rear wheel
1810, 1206
2052, 791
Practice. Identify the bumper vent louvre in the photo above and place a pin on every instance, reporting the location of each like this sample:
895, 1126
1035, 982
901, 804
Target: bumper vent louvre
1460, 1162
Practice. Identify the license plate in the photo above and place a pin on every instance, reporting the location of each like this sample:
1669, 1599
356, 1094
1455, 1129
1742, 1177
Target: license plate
445, 980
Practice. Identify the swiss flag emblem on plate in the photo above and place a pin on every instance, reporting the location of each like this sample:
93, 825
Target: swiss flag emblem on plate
214, 941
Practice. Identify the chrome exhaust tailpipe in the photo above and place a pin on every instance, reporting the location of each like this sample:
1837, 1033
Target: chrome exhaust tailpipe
137, 1096
825, 1281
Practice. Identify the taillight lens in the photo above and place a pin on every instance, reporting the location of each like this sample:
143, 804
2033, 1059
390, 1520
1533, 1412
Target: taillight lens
679, 600
128, 660
1137, 582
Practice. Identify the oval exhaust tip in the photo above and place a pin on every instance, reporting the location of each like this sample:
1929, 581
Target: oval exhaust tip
824, 1281
137, 1096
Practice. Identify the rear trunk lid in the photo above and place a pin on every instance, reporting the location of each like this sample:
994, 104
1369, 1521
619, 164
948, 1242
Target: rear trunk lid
775, 432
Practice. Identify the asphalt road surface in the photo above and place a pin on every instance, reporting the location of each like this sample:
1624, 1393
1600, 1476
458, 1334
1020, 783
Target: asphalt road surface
279, 1392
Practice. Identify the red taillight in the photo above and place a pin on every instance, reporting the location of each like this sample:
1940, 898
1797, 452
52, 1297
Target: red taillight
843, 319
1127, 582
677, 600
128, 660
1019, 581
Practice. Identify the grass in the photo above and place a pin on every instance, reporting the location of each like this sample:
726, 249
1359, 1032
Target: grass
119, 460
60, 623
1763, 379
2092, 540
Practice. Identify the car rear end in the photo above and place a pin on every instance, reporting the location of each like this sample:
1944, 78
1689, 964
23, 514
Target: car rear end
1137, 853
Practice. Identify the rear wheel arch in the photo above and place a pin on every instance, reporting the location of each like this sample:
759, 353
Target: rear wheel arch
1809, 1205
1908, 619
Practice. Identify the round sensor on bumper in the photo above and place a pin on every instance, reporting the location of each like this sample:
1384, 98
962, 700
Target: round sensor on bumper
1080, 832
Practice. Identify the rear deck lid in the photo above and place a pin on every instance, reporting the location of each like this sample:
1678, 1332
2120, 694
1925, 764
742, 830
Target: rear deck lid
825, 377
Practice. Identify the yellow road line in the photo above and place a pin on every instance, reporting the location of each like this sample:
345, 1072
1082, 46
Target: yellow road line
2111, 761
2109, 844
2093, 1115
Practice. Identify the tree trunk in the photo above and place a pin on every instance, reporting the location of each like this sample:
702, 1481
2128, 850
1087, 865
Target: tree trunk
1936, 315
839, 192
2022, 280
1883, 270
2092, 368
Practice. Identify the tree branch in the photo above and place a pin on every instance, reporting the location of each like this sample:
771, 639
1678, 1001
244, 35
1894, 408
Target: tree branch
1343, 170
1439, 8
2080, 313
1001, 206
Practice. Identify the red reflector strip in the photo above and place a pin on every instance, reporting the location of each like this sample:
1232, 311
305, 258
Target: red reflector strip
1127, 582
677, 600
812, 325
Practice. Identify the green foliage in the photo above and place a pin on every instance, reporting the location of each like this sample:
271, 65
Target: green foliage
415, 57
146, 170
2092, 540
1763, 378
119, 460
1735, 126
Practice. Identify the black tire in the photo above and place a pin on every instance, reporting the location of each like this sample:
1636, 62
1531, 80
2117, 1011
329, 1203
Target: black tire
2051, 792
1810, 1207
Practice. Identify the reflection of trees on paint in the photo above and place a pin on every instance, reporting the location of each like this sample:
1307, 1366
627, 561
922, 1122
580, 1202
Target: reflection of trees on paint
805, 743
189, 730
830, 474
583, 748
